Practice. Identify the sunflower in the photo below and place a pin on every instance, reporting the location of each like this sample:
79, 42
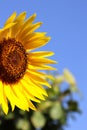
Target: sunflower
21, 77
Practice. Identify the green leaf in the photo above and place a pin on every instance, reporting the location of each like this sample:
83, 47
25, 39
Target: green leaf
9, 116
63, 119
56, 111
45, 105
69, 78
23, 124
73, 106
38, 120
73, 88
56, 89
60, 79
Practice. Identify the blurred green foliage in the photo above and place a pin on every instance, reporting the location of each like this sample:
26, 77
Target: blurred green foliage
51, 114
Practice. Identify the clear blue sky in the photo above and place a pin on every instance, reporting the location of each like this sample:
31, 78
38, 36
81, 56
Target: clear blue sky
66, 22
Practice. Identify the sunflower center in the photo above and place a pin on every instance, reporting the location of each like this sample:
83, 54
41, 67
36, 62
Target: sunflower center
13, 61
14, 58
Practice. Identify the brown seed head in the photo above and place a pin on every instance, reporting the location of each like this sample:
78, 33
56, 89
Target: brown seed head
13, 61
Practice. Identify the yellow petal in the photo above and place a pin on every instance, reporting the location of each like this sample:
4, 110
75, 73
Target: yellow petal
10, 19
5, 32
41, 67
40, 88
9, 95
30, 87
32, 106
38, 79
19, 93
19, 21
8, 26
3, 98
36, 87
36, 44
29, 95
28, 22
17, 101
12, 97
40, 74
29, 29
40, 60
40, 54
35, 36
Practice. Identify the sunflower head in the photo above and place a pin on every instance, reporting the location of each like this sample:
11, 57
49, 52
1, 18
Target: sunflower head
21, 80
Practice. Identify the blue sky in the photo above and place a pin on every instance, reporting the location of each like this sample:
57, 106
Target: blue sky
66, 22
